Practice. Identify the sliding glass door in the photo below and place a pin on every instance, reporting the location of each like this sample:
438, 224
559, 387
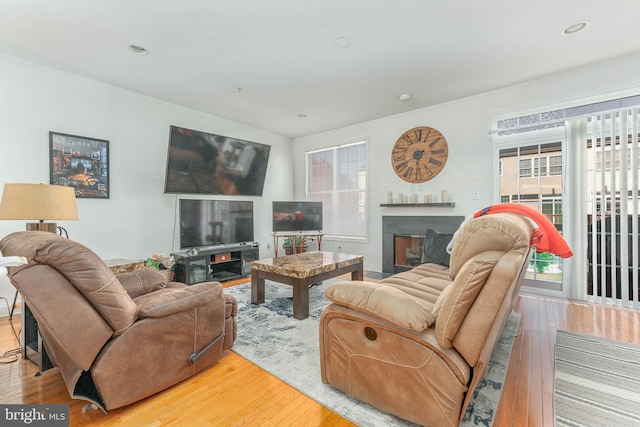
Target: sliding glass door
532, 174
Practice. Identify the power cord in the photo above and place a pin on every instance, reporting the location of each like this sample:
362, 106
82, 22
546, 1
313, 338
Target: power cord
11, 356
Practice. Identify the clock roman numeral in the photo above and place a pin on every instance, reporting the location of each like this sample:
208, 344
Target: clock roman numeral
434, 142
418, 174
408, 139
440, 151
429, 171
418, 134
399, 158
434, 161
400, 166
408, 172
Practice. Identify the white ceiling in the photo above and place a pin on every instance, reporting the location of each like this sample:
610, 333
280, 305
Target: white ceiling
262, 62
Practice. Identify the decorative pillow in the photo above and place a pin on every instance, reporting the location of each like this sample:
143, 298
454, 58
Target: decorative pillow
435, 247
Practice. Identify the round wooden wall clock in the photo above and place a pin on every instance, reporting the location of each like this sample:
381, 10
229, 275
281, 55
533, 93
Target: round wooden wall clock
419, 154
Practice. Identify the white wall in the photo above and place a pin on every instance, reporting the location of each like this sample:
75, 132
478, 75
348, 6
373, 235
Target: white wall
465, 124
138, 219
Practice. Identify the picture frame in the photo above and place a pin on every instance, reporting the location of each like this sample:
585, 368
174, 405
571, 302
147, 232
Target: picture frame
79, 162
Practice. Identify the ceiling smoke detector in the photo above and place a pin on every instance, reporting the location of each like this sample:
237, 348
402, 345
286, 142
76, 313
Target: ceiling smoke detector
342, 42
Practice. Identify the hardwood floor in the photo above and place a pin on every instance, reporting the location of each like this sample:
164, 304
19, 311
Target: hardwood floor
236, 392
527, 397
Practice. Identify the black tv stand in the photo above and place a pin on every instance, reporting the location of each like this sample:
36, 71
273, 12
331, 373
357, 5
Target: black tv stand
217, 263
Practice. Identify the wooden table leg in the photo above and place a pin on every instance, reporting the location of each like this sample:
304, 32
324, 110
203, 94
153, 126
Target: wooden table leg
300, 299
358, 274
257, 288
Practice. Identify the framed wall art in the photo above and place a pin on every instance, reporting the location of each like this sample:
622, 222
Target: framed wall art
81, 163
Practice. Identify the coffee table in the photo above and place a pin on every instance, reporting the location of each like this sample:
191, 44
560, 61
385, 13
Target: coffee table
300, 271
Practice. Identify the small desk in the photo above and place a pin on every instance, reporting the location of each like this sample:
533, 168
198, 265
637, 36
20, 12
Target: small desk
300, 271
34, 348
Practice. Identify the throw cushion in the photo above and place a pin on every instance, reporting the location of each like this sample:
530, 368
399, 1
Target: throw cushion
435, 247
384, 302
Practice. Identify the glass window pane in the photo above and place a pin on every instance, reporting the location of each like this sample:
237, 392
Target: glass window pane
342, 191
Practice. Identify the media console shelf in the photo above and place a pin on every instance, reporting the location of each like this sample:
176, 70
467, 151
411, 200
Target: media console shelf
219, 263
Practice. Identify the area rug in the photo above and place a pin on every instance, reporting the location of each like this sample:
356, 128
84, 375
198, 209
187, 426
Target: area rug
287, 348
596, 381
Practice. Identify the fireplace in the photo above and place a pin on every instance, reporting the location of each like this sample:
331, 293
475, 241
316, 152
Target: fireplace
407, 250
403, 238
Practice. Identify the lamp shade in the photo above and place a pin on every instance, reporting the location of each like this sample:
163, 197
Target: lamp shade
38, 202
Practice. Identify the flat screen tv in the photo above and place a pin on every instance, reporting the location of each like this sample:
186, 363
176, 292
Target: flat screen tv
215, 222
205, 163
297, 216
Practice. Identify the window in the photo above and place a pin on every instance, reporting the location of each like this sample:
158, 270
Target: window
551, 207
555, 165
525, 168
617, 155
337, 177
539, 166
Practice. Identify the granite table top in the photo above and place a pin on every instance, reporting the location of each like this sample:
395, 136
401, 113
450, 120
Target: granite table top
306, 264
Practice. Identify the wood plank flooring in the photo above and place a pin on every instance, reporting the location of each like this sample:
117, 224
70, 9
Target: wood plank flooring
236, 392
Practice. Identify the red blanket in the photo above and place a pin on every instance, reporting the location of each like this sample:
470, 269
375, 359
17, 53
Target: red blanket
546, 237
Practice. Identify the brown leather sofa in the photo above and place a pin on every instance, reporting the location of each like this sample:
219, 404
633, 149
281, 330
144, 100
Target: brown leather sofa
417, 343
117, 339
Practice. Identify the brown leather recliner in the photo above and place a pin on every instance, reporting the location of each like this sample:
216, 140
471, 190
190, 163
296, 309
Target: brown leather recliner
117, 339
417, 343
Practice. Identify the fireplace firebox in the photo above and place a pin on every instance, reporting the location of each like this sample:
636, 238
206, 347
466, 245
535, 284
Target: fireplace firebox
407, 250
403, 238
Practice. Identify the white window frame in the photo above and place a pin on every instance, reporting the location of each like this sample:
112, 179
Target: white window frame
542, 137
363, 199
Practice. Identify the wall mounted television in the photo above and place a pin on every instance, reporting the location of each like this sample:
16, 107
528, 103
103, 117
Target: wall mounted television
205, 163
297, 216
215, 222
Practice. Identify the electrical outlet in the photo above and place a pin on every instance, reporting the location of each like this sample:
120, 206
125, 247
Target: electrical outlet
268, 245
475, 195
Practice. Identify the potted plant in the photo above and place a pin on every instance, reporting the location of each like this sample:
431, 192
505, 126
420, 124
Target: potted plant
163, 263
300, 242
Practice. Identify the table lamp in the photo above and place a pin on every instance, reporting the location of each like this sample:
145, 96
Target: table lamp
38, 202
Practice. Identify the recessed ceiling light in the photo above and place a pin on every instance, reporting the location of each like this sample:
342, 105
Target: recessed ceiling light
575, 28
302, 115
342, 42
138, 50
404, 97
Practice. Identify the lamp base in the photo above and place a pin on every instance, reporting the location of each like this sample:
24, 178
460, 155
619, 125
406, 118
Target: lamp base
42, 226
